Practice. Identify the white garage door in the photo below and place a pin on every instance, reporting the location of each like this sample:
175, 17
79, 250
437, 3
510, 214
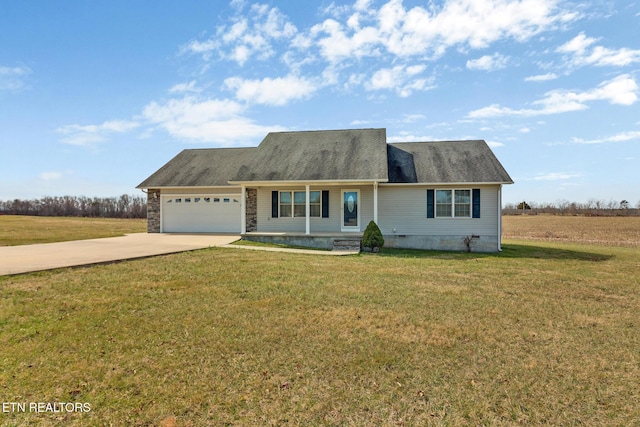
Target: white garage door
207, 213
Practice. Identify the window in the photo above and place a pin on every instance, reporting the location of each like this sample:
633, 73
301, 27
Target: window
453, 203
462, 203
294, 204
299, 203
314, 204
443, 203
285, 204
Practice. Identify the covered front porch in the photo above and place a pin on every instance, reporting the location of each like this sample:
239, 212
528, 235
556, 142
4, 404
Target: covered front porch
323, 209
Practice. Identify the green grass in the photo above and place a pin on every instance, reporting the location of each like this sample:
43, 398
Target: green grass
26, 230
544, 333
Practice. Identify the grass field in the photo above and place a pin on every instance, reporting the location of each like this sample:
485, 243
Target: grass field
544, 333
607, 231
24, 230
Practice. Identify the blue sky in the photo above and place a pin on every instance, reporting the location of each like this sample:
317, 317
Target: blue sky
95, 96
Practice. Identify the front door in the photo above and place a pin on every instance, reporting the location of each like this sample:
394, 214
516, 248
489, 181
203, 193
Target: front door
350, 210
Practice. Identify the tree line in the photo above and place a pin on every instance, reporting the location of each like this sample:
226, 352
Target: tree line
591, 207
128, 206
125, 206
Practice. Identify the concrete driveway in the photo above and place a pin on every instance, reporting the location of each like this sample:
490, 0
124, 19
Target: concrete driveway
47, 256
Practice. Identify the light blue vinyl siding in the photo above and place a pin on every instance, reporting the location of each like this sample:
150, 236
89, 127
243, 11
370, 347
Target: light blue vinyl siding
318, 225
400, 208
405, 210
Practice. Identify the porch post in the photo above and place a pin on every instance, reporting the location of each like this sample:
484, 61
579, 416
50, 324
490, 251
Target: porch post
307, 211
375, 202
243, 210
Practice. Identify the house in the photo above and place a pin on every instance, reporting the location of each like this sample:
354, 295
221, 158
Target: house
310, 188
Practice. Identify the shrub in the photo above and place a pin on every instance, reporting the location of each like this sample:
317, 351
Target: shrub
372, 237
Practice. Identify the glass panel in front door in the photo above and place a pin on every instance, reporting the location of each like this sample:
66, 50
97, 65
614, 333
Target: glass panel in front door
350, 209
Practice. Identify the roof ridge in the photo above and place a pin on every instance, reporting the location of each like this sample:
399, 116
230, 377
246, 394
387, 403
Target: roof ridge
218, 148
327, 130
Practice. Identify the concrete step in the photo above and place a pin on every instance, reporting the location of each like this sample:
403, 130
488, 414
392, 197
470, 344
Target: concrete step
351, 245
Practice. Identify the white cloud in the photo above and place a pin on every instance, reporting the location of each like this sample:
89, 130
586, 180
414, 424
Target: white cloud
495, 144
251, 34
401, 79
620, 137
541, 77
208, 120
391, 32
488, 62
50, 176
583, 52
412, 118
578, 44
622, 90
430, 31
339, 45
405, 136
278, 91
185, 88
201, 47
556, 176
13, 78
360, 122
362, 5
90, 135
386, 78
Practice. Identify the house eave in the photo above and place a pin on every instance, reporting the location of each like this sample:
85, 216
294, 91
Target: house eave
185, 187
418, 184
308, 182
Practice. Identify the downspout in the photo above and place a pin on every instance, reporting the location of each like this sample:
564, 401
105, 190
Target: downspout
157, 194
500, 218
307, 211
243, 210
375, 202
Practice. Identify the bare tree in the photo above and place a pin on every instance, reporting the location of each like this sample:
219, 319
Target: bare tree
125, 206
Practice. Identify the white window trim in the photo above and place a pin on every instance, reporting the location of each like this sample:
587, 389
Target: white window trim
293, 203
453, 203
359, 201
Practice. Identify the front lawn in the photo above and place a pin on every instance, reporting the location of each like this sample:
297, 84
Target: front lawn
26, 230
544, 333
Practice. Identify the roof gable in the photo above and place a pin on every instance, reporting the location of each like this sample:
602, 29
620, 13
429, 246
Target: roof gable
445, 162
209, 167
353, 154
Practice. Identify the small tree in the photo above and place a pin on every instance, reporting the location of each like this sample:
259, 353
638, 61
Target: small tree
523, 206
372, 237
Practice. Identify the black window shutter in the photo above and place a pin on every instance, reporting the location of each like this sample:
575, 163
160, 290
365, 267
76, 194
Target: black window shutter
430, 204
274, 204
476, 202
325, 203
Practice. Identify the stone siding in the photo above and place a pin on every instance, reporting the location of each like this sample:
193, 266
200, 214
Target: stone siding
252, 209
153, 211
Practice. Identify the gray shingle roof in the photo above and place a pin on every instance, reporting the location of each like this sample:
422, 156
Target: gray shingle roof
352, 154
199, 168
445, 162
